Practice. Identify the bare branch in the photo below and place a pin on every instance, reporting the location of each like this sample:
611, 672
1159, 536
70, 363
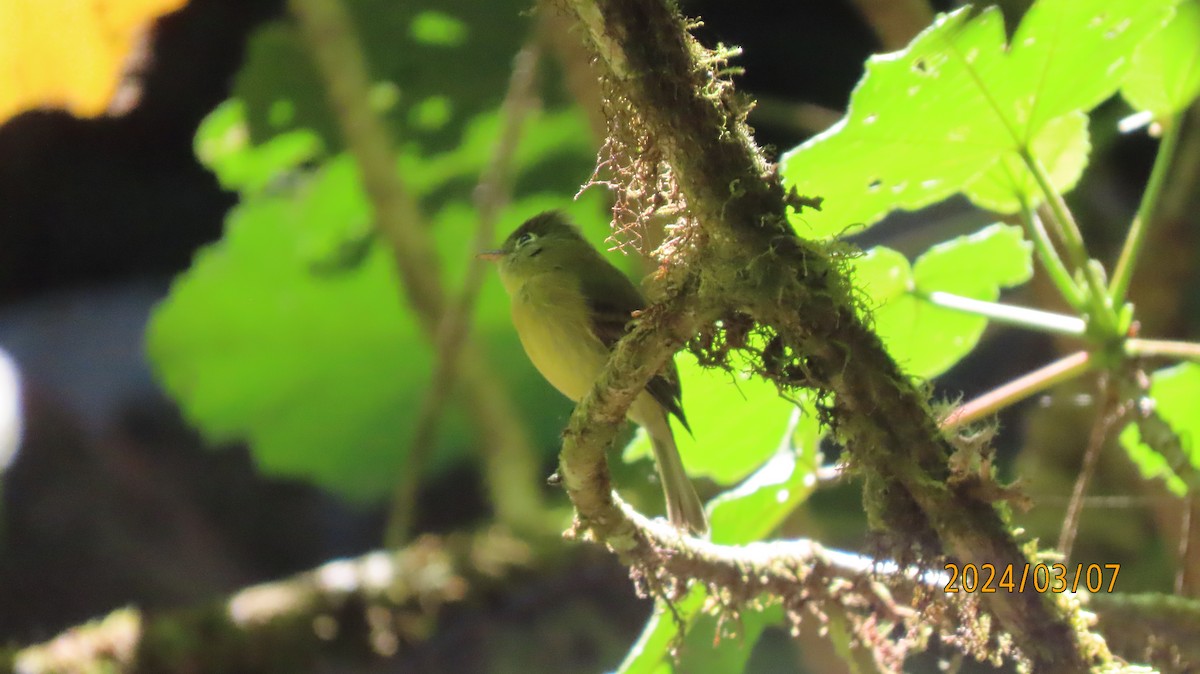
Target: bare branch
491, 195
511, 468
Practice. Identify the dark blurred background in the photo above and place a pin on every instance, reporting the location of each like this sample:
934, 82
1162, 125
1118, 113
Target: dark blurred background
113, 500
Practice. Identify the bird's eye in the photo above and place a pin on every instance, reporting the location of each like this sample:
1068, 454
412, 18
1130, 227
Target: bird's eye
525, 239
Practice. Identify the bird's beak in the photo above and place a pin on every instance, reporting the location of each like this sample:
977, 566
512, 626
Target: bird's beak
491, 255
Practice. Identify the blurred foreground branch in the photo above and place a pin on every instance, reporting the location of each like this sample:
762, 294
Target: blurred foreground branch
510, 465
357, 609
491, 197
384, 603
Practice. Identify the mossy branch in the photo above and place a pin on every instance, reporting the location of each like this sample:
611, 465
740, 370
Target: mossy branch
668, 98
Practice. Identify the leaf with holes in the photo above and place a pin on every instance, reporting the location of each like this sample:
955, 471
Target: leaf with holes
927, 122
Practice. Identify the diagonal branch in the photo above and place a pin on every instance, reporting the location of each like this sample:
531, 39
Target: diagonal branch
491, 197
511, 468
748, 262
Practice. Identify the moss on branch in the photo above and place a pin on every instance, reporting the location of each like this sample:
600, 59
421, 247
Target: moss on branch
739, 261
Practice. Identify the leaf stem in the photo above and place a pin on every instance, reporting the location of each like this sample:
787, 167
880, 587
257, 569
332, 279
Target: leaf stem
1099, 307
1106, 417
1141, 221
1023, 317
1019, 389
1066, 227
1163, 348
1060, 276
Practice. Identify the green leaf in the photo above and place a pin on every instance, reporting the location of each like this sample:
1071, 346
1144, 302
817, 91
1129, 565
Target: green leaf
743, 514
924, 338
716, 448
713, 646
438, 28
223, 145
650, 654
319, 365
1165, 75
459, 50
1175, 392
1062, 147
701, 650
256, 345
753, 509
927, 121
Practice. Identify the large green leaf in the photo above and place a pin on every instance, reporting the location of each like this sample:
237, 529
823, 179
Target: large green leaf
451, 58
255, 344
292, 333
926, 339
737, 422
760, 503
928, 121
1176, 395
322, 372
1165, 75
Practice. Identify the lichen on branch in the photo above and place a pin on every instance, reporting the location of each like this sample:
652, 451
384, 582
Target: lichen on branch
737, 261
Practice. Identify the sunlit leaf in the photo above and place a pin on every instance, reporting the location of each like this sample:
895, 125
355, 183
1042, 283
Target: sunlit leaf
737, 422
714, 646
926, 339
71, 55
454, 50
438, 28
753, 509
276, 337
223, 145
927, 121
650, 654
1062, 146
1165, 75
1175, 392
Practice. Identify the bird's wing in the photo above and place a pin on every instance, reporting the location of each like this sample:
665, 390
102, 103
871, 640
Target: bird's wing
612, 299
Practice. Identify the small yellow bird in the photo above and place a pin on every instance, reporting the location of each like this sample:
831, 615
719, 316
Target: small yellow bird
570, 306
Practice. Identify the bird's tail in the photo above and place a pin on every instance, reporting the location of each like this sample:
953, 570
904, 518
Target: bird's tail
684, 508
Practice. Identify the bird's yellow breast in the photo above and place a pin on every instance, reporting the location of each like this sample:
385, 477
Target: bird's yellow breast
552, 320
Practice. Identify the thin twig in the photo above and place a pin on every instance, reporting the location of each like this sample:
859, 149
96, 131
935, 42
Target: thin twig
1185, 540
510, 467
1137, 347
365, 608
1061, 370
491, 195
1145, 213
1105, 418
